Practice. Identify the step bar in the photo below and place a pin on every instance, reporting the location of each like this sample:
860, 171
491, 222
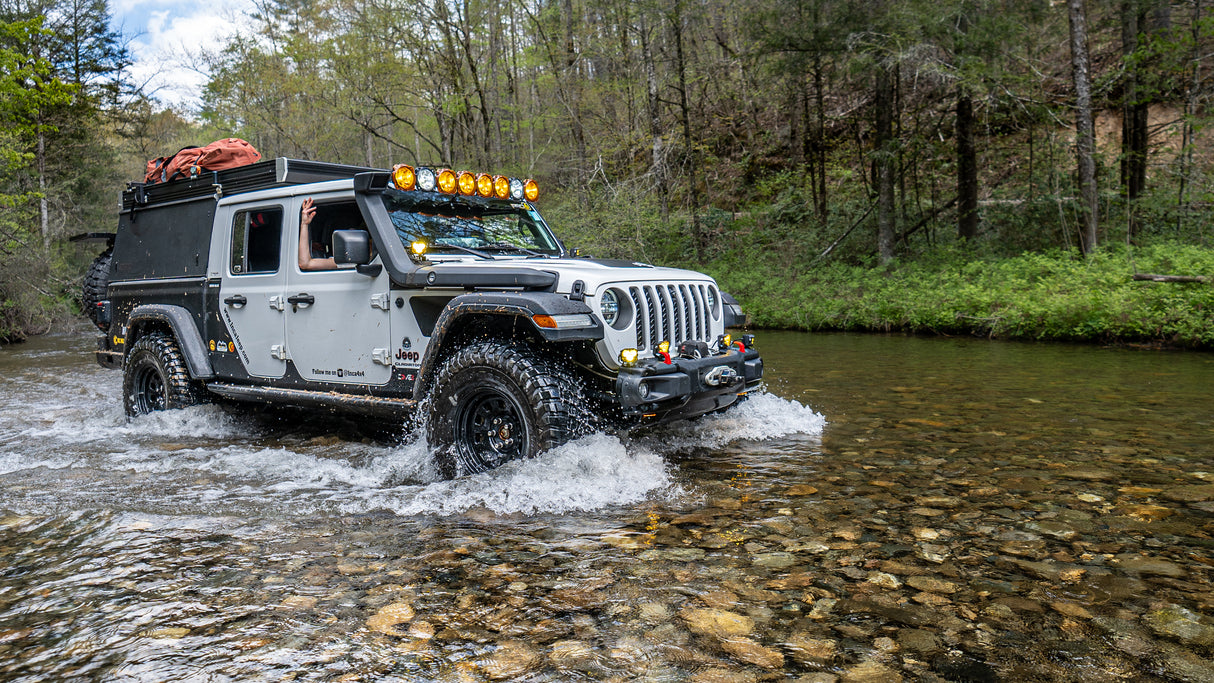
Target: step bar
346, 403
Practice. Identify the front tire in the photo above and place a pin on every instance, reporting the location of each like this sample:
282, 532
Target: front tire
494, 402
155, 377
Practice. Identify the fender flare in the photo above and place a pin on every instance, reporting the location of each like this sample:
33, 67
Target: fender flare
197, 360
512, 304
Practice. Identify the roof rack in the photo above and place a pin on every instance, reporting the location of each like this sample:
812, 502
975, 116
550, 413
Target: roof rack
279, 172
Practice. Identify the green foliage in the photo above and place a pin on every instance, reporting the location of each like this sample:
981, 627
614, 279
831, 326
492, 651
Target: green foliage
1052, 295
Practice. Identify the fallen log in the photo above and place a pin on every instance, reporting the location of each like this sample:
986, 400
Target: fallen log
1170, 278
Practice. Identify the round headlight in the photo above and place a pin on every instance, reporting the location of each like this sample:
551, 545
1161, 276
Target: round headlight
710, 297
426, 179
609, 305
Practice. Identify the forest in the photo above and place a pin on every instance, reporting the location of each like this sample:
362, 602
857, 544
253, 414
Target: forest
1029, 169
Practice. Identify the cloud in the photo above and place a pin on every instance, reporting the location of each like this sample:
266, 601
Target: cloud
169, 41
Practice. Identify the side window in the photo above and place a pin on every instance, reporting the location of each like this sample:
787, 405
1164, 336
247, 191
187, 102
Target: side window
343, 215
256, 241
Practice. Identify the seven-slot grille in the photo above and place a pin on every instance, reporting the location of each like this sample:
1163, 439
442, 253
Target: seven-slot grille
670, 312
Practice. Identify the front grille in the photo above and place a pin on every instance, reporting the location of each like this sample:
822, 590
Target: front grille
674, 313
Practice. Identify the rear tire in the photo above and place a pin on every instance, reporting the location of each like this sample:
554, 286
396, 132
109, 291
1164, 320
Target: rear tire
155, 377
96, 284
494, 402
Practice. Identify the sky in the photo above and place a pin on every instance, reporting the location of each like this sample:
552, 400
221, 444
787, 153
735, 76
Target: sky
168, 37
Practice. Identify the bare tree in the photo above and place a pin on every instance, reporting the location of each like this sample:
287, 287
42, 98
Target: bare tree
1085, 137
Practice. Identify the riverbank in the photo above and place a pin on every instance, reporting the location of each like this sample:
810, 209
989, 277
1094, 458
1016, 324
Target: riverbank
1054, 296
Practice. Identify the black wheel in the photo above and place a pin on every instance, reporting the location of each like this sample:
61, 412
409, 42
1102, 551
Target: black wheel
95, 283
156, 378
494, 402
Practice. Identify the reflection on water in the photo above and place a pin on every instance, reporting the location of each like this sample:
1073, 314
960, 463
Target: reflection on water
894, 509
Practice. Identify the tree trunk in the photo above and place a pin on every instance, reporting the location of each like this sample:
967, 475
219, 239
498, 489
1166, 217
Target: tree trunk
967, 168
573, 85
697, 231
658, 152
1085, 137
44, 220
883, 158
820, 136
1133, 117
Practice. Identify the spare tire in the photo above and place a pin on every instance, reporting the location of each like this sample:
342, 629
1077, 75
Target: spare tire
96, 283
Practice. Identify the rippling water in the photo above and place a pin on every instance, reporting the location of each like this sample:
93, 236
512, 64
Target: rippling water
893, 509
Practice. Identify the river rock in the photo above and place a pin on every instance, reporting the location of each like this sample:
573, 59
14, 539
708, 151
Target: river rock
931, 584
883, 580
565, 653
1192, 493
918, 640
510, 660
1053, 529
421, 630
1153, 566
809, 650
747, 650
776, 560
654, 612
717, 622
673, 555
1070, 609
720, 675
172, 632
871, 671
299, 602
822, 609
1184, 665
1182, 624
719, 599
387, 618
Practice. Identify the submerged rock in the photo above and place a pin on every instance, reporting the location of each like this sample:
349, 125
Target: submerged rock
747, 650
389, 616
1184, 625
717, 622
810, 650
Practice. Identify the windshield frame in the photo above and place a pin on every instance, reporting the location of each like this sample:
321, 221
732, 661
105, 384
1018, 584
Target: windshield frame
470, 208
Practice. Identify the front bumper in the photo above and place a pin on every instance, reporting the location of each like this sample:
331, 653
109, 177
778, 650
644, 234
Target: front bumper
653, 392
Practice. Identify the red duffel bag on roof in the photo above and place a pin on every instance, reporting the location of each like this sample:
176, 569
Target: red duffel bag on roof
190, 161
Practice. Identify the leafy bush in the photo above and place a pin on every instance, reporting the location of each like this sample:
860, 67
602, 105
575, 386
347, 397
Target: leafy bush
1053, 295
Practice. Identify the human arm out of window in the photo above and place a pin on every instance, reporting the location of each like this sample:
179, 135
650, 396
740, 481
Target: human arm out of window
306, 260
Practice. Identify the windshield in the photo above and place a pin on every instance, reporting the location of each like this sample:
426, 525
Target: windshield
457, 224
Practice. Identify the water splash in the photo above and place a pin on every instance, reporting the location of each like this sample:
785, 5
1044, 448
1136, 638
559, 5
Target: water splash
761, 417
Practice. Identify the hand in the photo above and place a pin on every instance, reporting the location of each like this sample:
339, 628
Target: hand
307, 212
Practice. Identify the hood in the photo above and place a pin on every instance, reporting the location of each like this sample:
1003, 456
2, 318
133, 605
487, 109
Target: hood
594, 273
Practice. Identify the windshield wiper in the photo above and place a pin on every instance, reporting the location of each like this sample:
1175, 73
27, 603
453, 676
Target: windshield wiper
466, 250
515, 247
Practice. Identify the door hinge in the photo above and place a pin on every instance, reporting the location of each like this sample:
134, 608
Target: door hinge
277, 303
382, 356
381, 301
279, 351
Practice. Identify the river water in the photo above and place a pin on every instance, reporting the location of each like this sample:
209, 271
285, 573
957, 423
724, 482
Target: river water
891, 509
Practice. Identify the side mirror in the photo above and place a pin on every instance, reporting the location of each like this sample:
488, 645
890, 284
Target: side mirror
351, 246
354, 246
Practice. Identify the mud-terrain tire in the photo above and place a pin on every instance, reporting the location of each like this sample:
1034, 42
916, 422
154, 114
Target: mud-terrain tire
96, 282
494, 402
156, 378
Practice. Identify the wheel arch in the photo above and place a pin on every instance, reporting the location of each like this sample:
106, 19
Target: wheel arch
508, 315
175, 320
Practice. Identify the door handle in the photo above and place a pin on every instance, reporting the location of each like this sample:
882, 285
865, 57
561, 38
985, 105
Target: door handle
305, 299
237, 301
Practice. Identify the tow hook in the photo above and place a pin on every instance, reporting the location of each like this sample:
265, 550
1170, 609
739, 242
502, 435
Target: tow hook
720, 376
